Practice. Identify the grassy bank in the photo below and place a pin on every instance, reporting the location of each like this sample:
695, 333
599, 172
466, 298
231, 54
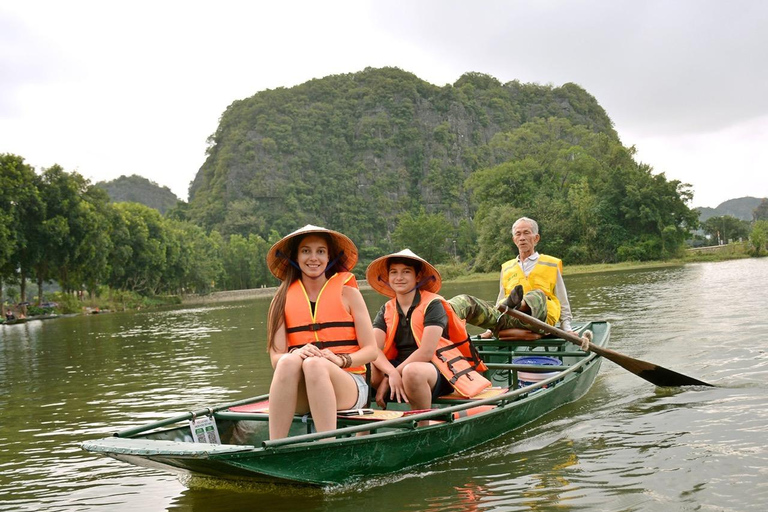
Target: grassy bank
703, 254
570, 270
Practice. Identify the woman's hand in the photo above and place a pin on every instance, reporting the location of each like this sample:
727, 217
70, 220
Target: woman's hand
336, 359
308, 351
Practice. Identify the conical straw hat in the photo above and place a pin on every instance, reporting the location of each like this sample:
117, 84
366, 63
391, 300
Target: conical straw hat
378, 278
279, 254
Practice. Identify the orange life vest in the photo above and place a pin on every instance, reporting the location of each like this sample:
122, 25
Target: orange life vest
455, 357
331, 326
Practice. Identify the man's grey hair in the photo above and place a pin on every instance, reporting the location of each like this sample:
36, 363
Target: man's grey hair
534, 225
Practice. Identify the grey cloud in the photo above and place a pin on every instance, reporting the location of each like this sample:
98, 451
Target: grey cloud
663, 67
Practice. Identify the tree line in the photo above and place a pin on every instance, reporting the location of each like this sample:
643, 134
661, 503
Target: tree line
57, 226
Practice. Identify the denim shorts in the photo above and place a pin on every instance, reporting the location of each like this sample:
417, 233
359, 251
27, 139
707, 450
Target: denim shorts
362, 391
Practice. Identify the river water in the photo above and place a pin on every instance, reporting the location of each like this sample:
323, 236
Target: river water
625, 446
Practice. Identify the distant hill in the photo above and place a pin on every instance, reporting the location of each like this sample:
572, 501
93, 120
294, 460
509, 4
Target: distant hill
135, 189
740, 208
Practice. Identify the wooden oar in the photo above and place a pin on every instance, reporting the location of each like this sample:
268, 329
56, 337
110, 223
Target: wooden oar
653, 373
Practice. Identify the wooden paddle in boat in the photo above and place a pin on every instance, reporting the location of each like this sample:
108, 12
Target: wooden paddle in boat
653, 373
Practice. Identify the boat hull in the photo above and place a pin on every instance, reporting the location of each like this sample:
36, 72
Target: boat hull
386, 447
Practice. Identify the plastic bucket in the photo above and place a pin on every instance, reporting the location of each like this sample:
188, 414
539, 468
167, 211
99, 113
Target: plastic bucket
532, 377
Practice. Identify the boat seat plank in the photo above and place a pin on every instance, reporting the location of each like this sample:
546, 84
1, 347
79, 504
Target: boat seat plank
374, 414
498, 343
262, 407
527, 367
519, 334
524, 353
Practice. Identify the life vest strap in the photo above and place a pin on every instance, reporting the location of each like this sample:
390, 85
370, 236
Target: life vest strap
329, 344
454, 360
474, 360
318, 326
466, 371
337, 343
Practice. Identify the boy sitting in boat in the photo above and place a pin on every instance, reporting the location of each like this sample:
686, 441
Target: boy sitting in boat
424, 347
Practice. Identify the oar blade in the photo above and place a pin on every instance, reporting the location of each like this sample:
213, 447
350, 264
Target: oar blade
653, 373
663, 377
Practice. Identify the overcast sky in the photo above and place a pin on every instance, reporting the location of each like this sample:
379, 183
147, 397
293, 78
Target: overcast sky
108, 88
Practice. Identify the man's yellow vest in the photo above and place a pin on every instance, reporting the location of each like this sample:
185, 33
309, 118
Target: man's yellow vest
543, 277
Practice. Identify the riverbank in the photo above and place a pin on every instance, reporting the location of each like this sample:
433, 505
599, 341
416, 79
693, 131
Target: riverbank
236, 295
715, 253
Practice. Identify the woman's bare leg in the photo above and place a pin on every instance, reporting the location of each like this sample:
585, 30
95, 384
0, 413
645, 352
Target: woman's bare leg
287, 395
329, 389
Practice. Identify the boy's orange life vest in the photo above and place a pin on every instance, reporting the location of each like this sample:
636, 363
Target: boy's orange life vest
455, 357
331, 326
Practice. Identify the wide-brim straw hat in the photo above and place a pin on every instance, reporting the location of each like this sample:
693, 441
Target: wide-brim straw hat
278, 256
377, 273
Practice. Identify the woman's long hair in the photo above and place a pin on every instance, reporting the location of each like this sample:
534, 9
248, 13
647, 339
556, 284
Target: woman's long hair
276, 315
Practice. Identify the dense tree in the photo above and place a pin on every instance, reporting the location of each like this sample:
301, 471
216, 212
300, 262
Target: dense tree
428, 235
759, 237
71, 235
196, 263
726, 228
244, 263
20, 206
23, 212
139, 258
761, 212
592, 200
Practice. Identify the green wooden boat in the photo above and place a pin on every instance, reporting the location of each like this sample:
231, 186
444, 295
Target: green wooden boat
368, 444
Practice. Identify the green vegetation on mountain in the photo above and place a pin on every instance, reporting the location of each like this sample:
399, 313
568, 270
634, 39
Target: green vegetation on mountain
366, 152
136, 189
355, 151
